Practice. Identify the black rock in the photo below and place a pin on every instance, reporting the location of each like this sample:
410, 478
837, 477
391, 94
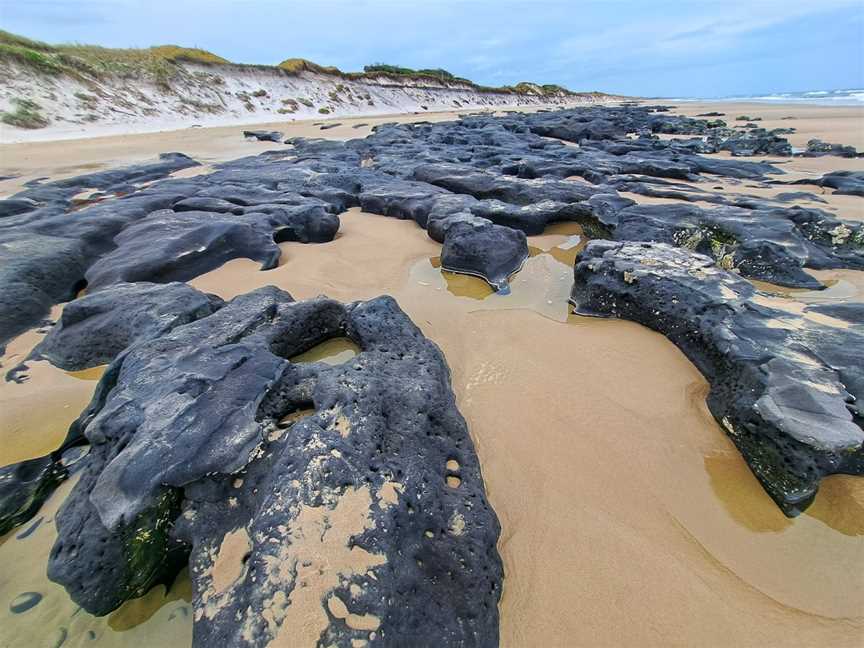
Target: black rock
24, 487
818, 148
786, 385
44, 253
94, 329
503, 169
15, 206
195, 421
844, 183
178, 246
263, 136
479, 247
769, 244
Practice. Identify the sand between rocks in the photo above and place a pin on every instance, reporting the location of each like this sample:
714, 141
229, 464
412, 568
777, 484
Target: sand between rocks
628, 518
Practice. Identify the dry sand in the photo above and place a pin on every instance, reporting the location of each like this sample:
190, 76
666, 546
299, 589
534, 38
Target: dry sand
628, 517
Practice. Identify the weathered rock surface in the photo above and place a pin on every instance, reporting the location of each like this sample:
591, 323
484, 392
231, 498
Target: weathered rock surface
169, 245
769, 244
92, 331
478, 246
264, 136
844, 183
44, 253
319, 502
95, 328
505, 170
818, 148
786, 379
23, 488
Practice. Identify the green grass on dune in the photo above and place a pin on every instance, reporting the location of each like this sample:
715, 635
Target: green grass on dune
163, 64
298, 65
26, 115
95, 61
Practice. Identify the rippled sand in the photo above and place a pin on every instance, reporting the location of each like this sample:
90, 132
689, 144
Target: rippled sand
628, 517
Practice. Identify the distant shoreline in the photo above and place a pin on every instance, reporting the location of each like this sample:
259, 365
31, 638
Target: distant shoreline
827, 98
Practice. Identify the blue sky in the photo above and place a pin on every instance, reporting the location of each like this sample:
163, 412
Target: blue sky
646, 47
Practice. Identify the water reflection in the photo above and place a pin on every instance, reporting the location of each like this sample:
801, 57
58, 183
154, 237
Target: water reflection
836, 290
36, 612
542, 285
333, 352
839, 504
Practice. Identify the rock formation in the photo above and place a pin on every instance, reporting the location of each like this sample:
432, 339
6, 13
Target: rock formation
787, 381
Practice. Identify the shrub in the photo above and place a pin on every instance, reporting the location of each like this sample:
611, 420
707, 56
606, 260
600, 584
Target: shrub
26, 115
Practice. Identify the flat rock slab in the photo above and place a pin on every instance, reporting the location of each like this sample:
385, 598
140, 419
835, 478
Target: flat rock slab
95, 328
263, 136
786, 379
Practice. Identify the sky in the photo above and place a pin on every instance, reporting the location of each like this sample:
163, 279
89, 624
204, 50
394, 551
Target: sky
657, 48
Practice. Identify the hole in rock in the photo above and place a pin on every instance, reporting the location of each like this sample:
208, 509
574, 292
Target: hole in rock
333, 352
290, 419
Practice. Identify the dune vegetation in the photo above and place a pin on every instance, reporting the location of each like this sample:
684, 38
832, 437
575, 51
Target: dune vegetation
163, 63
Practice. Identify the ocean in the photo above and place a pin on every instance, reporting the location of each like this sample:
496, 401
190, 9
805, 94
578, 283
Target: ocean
847, 97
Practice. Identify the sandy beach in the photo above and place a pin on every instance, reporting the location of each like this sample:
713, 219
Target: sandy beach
628, 517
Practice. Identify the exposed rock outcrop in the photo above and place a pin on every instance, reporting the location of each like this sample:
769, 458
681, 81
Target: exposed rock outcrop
267, 468
95, 328
505, 170
786, 379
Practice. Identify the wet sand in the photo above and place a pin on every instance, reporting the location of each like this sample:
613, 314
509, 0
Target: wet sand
628, 517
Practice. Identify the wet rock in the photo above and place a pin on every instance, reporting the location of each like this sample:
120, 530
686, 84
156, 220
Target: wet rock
44, 253
844, 183
23, 488
785, 382
109, 181
769, 244
757, 142
15, 206
793, 196
36, 271
818, 148
325, 491
263, 136
24, 602
506, 170
94, 329
478, 247
178, 246
462, 180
